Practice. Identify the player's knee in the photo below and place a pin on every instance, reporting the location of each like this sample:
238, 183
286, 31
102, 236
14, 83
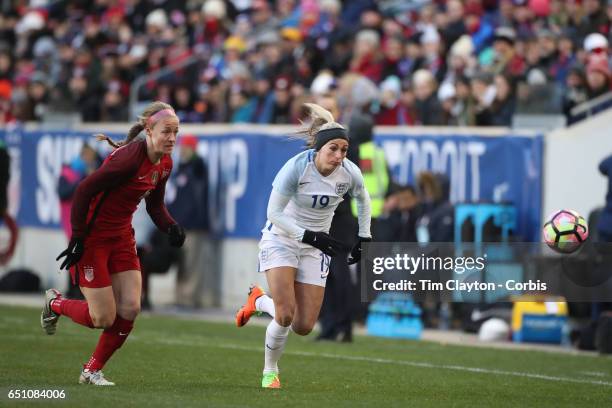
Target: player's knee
284, 316
129, 310
103, 320
301, 329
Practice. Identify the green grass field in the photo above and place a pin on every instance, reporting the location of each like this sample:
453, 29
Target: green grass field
176, 362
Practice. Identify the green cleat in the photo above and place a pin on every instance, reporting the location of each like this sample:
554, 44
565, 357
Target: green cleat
270, 380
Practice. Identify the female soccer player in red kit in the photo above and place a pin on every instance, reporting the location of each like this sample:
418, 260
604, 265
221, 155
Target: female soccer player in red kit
101, 254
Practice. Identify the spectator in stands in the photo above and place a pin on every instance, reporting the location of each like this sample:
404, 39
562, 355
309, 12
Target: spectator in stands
80, 85
478, 27
82, 54
391, 111
190, 208
598, 78
183, 102
594, 19
408, 103
461, 61
506, 60
523, 19
547, 44
402, 210
37, 101
6, 65
340, 51
436, 223
413, 56
393, 52
564, 59
483, 93
503, 105
428, 109
447, 96
367, 60
433, 60
455, 25
575, 91
113, 108
596, 46
533, 57
215, 100
281, 110
356, 95
464, 109
262, 101
240, 108
505, 13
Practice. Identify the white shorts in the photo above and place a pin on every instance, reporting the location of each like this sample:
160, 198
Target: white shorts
312, 265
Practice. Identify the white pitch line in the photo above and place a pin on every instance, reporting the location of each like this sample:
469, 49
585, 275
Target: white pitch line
179, 342
394, 362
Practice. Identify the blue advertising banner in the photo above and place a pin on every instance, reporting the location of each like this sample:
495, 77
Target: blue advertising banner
243, 165
480, 169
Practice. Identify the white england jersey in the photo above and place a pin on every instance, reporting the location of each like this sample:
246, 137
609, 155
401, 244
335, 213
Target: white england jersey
314, 198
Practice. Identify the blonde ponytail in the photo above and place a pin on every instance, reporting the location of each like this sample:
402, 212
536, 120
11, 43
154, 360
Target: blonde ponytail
320, 119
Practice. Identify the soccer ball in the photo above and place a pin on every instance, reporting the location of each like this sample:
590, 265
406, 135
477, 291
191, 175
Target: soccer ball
565, 231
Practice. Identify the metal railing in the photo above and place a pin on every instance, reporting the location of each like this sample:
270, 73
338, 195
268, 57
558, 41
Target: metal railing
591, 107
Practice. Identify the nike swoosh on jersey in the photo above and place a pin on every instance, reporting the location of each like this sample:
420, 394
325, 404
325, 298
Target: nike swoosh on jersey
270, 348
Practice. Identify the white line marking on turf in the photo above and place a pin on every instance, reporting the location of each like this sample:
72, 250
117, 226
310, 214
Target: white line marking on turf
593, 373
545, 377
394, 362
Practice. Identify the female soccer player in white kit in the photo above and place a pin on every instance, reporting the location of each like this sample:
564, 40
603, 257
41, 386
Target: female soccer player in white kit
295, 248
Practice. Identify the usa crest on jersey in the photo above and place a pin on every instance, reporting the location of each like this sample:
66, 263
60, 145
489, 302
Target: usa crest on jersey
89, 273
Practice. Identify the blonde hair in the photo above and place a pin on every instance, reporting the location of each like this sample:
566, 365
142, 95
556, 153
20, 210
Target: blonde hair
320, 119
139, 126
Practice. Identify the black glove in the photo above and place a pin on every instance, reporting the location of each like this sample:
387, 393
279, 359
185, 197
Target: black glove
176, 235
73, 253
356, 251
322, 241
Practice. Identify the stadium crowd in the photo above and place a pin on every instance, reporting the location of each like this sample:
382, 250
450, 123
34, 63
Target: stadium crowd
412, 62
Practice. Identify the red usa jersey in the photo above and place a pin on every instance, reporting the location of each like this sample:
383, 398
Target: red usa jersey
105, 201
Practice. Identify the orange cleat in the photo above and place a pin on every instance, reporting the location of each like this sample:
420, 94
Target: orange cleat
248, 310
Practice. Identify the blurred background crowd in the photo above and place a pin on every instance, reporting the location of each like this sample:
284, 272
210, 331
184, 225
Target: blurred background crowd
410, 62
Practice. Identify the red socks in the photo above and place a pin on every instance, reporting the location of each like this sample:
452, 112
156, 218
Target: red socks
110, 340
77, 310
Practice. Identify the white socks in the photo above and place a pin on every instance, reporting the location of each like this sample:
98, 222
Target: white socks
264, 303
276, 337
